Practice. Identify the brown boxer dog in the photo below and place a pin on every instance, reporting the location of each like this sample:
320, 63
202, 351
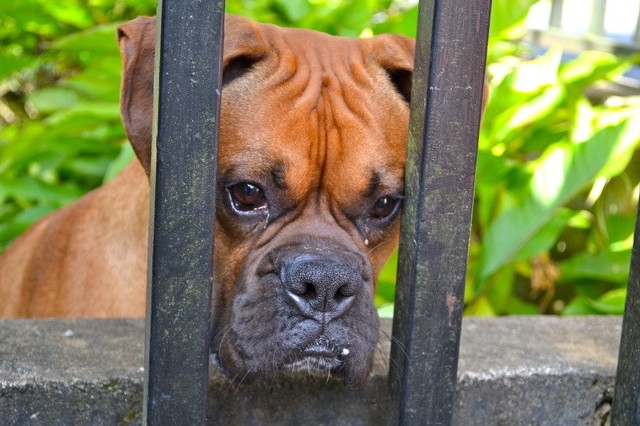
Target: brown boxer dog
311, 161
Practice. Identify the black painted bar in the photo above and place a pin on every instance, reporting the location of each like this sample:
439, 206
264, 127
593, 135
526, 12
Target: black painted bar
626, 396
183, 170
439, 183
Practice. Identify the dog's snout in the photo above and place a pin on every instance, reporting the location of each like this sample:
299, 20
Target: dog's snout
320, 285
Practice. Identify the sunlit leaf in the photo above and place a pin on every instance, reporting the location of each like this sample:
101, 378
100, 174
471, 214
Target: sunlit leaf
592, 66
558, 176
508, 18
611, 302
481, 307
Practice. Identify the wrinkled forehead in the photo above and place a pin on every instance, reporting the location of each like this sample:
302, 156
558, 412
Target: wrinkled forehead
321, 117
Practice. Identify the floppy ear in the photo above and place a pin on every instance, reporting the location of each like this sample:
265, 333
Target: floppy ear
243, 47
137, 46
394, 53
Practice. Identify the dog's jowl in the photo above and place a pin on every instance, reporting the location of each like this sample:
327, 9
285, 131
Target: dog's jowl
310, 185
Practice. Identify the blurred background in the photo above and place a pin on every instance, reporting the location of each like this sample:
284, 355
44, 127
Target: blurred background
558, 163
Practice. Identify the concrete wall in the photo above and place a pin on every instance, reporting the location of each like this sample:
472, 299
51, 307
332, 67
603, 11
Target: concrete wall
513, 371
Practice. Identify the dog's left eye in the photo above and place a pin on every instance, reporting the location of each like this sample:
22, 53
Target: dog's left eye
246, 196
384, 207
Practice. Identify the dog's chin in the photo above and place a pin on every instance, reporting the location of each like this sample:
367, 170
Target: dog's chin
320, 359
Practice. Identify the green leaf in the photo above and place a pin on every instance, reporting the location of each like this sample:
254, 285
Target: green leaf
590, 67
294, 10
12, 228
100, 80
481, 307
27, 188
50, 99
97, 39
546, 237
606, 265
520, 117
610, 303
508, 18
69, 13
126, 155
386, 311
579, 306
498, 289
12, 63
400, 23
563, 171
390, 270
517, 306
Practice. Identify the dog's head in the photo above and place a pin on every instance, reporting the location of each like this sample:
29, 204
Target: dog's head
310, 185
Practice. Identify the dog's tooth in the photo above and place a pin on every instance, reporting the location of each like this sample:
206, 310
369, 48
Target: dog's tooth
344, 352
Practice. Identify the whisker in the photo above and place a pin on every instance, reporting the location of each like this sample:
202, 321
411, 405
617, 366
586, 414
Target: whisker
375, 247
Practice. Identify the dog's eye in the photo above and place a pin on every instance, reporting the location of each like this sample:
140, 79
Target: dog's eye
385, 207
247, 196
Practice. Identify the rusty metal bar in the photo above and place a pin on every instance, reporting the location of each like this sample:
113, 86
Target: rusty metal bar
439, 182
183, 170
626, 397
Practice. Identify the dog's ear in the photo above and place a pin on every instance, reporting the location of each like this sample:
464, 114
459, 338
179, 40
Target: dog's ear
394, 53
137, 46
244, 46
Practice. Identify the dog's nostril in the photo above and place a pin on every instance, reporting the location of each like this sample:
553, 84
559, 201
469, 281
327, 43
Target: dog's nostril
343, 292
309, 291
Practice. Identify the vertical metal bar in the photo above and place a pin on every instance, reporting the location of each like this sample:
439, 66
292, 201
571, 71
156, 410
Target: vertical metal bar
439, 183
598, 11
183, 170
636, 39
555, 17
626, 396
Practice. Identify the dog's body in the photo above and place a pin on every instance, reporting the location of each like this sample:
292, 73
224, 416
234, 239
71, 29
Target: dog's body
87, 260
311, 162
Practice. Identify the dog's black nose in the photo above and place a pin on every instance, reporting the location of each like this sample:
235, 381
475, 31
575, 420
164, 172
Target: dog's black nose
321, 285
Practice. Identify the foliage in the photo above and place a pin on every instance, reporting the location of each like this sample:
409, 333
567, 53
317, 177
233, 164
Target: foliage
557, 171
59, 117
557, 183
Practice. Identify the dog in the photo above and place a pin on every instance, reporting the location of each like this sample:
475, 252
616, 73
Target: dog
310, 187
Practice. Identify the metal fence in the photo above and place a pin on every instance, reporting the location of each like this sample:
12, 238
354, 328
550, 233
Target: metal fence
600, 29
447, 89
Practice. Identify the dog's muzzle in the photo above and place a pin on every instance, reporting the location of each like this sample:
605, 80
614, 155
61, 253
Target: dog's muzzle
320, 287
304, 307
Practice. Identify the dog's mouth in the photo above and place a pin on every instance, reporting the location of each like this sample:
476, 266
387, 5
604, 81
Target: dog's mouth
322, 357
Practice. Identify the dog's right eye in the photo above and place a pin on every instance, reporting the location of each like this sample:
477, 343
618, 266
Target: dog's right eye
246, 197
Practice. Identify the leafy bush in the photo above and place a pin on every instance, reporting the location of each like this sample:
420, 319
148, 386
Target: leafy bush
59, 84
557, 183
557, 173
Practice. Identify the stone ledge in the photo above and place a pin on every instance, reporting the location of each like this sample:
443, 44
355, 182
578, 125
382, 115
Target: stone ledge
514, 370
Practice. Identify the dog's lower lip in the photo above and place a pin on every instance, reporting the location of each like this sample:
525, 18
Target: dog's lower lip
319, 351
